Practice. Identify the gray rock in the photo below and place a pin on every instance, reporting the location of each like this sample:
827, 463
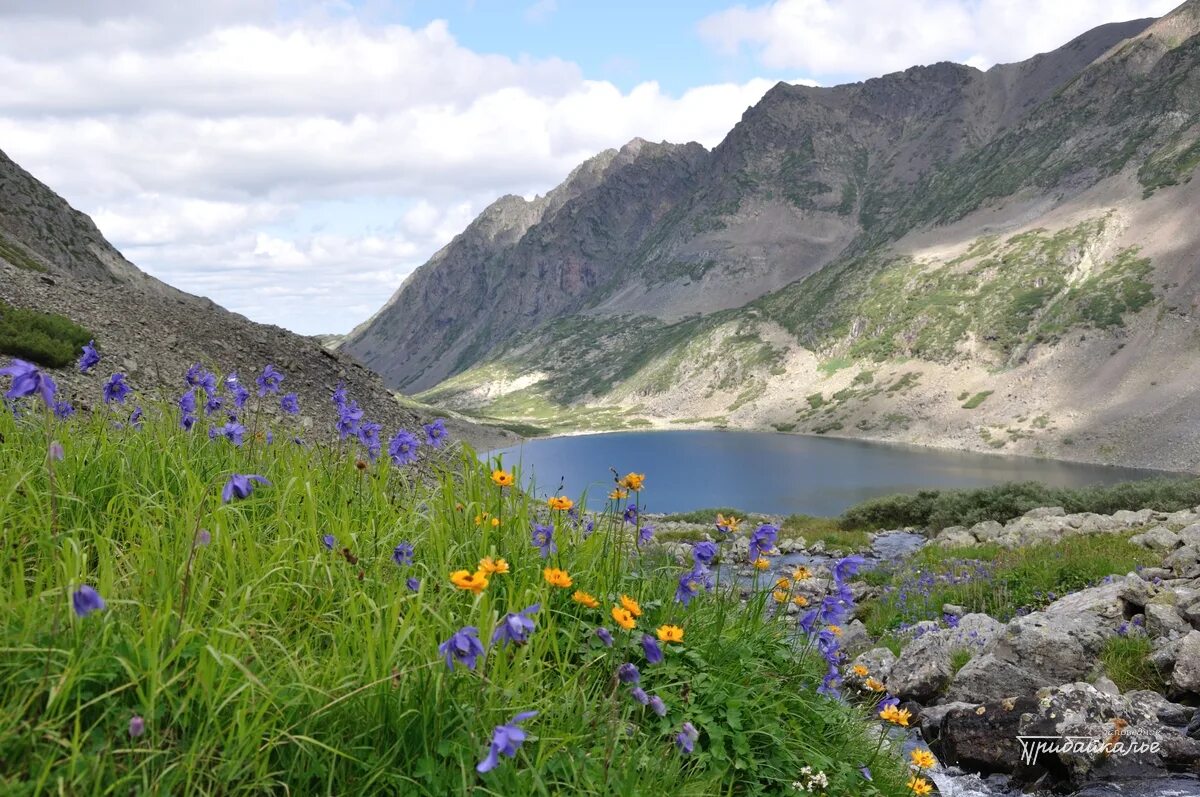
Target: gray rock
1184, 562
954, 610
1058, 647
924, 668
1186, 675
987, 531
1164, 620
955, 537
1190, 534
1159, 538
878, 662
1106, 685
855, 638
1130, 519
1045, 512
987, 678
1136, 591
1152, 704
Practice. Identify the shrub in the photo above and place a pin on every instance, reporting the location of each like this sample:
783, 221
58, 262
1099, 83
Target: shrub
43, 338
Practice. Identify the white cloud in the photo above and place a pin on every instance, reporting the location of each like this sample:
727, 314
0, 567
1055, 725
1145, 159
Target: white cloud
203, 144
864, 38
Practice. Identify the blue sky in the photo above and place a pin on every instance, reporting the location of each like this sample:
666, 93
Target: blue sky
295, 160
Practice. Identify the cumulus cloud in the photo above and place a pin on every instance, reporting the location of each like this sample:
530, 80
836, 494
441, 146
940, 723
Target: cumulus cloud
202, 142
864, 38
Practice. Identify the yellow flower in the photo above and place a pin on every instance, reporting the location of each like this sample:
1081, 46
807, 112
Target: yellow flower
923, 759
896, 716
836, 630
800, 600
464, 579
557, 578
487, 566
780, 596
495, 522
730, 524
502, 478
801, 573
670, 633
783, 583
875, 685
762, 563
623, 618
633, 481
559, 502
631, 606
618, 494
585, 599
860, 671
919, 785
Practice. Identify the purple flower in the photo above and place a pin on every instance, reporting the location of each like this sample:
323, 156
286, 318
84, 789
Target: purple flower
187, 402
188, 421
268, 381
413, 584
208, 383
192, 377
435, 433
137, 726
135, 418
213, 404
86, 600
27, 380
339, 395
63, 410
704, 552
348, 417
847, 567
762, 541
506, 740
402, 448
515, 627
240, 486
402, 554
866, 772
56, 452
605, 636
651, 648
543, 538
462, 647
203, 538
368, 435
627, 673
691, 582
657, 704
589, 526
233, 432
631, 514
646, 534
115, 389
639, 694
239, 391
685, 740
290, 404
329, 541
90, 357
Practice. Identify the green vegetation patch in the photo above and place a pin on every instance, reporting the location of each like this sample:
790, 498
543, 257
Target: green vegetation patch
936, 509
1126, 661
976, 400
16, 255
44, 338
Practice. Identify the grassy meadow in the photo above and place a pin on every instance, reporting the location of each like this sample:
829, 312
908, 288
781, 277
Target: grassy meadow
287, 642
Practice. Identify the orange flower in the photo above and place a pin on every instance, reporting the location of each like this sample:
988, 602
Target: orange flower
559, 502
488, 566
923, 759
557, 578
762, 563
495, 522
585, 599
728, 525
670, 633
919, 786
631, 606
618, 494
860, 671
800, 600
875, 685
836, 630
780, 596
783, 583
464, 579
623, 618
896, 716
633, 481
502, 478
801, 573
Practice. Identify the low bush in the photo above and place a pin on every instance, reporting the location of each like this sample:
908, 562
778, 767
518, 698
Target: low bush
43, 338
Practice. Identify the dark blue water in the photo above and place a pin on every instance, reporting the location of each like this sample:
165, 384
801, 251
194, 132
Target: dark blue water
775, 473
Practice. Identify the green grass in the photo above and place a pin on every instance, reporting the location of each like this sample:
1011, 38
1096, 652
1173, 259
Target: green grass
294, 669
14, 254
937, 509
43, 338
1126, 661
826, 530
976, 400
998, 581
959, 658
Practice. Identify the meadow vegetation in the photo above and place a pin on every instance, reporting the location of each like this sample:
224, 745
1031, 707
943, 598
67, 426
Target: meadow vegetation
276, 609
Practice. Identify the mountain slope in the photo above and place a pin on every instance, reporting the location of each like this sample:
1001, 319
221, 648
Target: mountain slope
854, 259
54, 259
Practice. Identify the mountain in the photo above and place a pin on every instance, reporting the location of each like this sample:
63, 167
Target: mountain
54, 259
994, 260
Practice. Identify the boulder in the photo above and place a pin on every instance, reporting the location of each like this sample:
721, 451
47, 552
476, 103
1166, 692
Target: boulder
924, 668
987, 531
1190, 534
1159, 538
1152, 704
1130, 519
1057, 646
987, 678
1136, 591
1164, 620
878, 662
1186, 674
1046, 511
982, 738
955, 537
855, 638
1184, 562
